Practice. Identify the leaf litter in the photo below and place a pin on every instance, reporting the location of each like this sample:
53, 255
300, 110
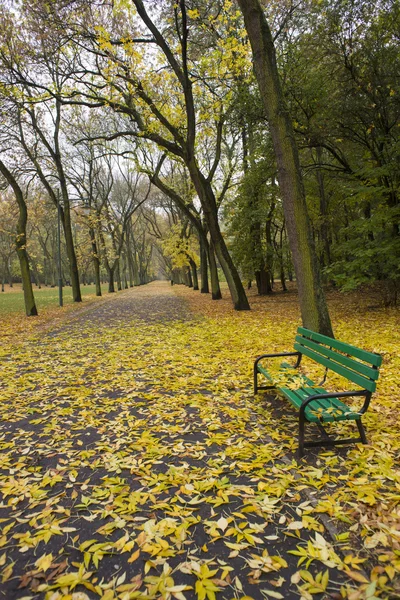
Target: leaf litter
136, 462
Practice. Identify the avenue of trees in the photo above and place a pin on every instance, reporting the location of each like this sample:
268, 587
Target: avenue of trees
247, 141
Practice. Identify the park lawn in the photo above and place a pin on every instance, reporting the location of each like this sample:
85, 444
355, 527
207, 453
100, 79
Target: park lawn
12, 300
135, 458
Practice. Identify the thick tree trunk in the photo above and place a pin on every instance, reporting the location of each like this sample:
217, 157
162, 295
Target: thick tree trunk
313, 306
70, 248
110, 273
263, 282
323, 209
203, 268
20, 242
215, 288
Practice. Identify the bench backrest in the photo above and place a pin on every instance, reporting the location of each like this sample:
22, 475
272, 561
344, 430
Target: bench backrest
359, 366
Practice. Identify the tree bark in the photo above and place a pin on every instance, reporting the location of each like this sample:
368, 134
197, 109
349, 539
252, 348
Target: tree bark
118, 275
110, 273
194, 275
323, 207
203, 269
96, 261
314, 310
189, 277
215, 288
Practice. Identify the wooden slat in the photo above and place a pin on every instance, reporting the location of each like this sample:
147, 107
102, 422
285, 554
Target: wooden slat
264, 372
345, 413
354, 365
312, 412
368, 357
363, 382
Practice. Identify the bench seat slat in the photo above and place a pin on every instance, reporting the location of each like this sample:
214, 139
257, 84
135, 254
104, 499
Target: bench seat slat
325, 410
363, 382
347, 362
329, 409
264, 372
368, 357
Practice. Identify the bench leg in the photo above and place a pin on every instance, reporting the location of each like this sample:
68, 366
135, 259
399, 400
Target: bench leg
255, 370
361, 431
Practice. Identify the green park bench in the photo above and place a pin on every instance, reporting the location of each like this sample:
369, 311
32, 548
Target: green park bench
315, 404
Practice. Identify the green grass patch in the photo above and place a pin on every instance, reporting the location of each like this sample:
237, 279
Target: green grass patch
12, 301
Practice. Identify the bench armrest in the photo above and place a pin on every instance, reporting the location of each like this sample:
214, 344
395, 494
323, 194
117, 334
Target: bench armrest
298, 354
307, 401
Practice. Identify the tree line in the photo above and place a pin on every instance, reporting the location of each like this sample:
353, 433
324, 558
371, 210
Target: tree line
259, 142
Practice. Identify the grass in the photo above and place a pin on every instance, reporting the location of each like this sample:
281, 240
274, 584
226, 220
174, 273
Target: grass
12, 300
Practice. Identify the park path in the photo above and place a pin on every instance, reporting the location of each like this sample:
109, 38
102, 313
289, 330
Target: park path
136, 464
155, 302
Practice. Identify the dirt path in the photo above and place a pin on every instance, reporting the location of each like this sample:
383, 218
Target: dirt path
134, 465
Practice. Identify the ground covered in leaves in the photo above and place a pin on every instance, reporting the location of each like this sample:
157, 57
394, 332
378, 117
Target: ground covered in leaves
136, 462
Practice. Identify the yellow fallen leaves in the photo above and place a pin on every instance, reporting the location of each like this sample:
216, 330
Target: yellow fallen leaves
43, 563
137, 464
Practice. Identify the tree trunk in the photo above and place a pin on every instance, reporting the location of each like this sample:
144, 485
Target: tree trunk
130, 268
129, 254
215, 288
118, 275
136, 277
269, 259
208, 202
314, 310
20, 242
323, 208
281, 262
263, 282
70, 248
96, 261
194, 275
189, 277
203, 269
110, 272
10, 277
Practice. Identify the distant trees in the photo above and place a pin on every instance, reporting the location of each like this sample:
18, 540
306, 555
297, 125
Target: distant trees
171, 155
